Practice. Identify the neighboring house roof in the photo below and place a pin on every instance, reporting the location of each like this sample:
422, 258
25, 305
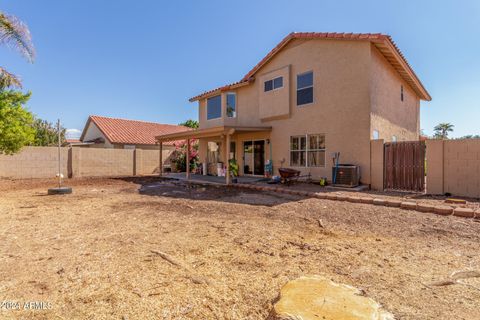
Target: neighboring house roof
130, 131
384, 44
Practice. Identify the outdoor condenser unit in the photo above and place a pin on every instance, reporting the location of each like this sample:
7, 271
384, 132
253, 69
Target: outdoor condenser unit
348, 175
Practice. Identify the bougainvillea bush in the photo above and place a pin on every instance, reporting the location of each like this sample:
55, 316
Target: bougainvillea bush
179, 158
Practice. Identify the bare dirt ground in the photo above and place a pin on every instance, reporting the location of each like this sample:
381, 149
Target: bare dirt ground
147, 249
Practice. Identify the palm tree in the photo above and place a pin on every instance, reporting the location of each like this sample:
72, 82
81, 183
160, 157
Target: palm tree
14, 34
442, 130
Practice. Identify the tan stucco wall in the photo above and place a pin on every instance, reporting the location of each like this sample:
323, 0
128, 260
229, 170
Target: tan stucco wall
355, 91
274, 103
341, 102
376, 164
453, 166
391, 116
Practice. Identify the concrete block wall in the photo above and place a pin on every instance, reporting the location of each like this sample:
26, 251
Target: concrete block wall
34, 162
41, 162
453, 166
94, 162
147, 160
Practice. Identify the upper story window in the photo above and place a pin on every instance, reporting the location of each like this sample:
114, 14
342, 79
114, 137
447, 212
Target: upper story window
214, 107
305, 88
273, 84
231, 105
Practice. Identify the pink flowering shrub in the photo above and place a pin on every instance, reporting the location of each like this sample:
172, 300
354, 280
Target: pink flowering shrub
179, 158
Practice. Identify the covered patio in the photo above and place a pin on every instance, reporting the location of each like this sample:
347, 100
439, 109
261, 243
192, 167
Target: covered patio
220, 133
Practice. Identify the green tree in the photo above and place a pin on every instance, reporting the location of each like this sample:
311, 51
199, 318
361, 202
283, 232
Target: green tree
470, 136
14, 34
442, 130
16, 122
46, 133
190, 123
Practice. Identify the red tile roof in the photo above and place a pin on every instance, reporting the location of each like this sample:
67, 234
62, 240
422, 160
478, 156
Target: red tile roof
131, 131
383, 42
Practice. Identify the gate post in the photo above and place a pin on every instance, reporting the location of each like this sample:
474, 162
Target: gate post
435, 167
376, 164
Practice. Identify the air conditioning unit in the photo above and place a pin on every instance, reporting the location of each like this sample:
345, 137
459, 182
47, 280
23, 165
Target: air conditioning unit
347, 175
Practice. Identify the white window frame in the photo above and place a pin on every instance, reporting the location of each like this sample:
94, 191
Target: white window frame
298, 150
316, 150
313, 90
226, 105
273, 82
307, 149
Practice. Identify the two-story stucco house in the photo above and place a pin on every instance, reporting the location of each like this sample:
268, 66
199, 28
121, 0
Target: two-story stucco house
314, 94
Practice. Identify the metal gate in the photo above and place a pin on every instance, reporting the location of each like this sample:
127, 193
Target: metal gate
404, 166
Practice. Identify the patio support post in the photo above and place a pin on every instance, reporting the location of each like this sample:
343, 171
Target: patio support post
187, 158
160, 159
227, 158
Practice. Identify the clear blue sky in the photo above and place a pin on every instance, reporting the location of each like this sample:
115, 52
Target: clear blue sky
144, 59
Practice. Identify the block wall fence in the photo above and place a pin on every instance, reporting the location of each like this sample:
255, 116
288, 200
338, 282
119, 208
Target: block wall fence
41, 162
452, 166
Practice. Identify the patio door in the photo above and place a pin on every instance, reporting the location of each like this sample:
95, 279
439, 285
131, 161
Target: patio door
254, 157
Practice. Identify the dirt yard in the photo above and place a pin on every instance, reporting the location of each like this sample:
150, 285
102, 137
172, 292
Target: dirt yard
147, 249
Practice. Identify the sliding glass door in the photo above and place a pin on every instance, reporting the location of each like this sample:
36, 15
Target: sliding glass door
254, 157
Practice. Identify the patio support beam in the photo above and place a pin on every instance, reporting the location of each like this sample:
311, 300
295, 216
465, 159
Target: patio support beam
228, 178
187, 158
227, 157
160, 159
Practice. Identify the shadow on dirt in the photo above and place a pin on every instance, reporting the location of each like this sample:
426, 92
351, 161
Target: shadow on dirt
164, 187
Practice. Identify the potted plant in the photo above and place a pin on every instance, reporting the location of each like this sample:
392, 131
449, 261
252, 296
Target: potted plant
233, 168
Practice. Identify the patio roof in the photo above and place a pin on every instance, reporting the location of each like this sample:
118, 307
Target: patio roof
208, 132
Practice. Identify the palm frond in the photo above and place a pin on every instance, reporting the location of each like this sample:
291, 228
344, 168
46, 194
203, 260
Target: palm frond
9, 80
15, 34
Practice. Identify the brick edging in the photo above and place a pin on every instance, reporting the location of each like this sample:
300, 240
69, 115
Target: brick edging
443, 210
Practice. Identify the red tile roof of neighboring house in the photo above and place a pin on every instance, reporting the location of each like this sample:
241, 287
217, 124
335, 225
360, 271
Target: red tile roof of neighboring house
383, 42
131, 131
